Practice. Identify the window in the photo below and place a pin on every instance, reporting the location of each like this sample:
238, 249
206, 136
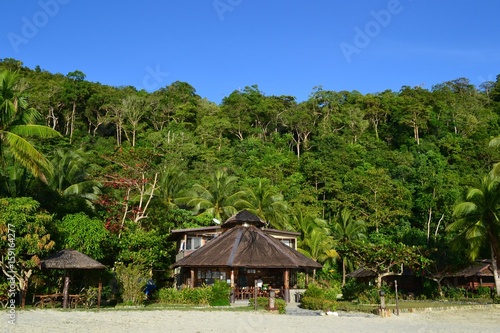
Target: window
288, 242
193, 243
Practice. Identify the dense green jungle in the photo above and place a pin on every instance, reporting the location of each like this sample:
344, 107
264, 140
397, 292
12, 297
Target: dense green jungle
378, 180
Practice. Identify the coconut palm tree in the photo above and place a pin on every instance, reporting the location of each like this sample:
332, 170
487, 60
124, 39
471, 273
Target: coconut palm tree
478, 220
171, 184
218, 199
344, 229
314, 241
268, 203
18, 122
70, 178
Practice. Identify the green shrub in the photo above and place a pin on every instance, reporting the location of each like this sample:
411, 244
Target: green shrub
352, 290
169, 296
483, 292
365, 294
453, 293
281, 305
430, 290
317, 298
220, 293
314, 291
196, 296
132, 280
189, 296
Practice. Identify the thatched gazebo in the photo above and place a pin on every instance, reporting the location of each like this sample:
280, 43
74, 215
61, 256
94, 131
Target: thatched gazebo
244, 247
69, 259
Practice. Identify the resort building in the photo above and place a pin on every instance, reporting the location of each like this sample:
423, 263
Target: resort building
254, 260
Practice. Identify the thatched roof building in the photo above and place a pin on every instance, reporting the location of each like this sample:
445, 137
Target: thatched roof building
70, 259
246, 246
479, 268
241, 251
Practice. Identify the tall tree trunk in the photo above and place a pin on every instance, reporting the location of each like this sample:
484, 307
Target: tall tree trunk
72, 122
494, 267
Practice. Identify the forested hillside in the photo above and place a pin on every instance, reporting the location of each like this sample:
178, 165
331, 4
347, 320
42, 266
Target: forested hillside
113, 170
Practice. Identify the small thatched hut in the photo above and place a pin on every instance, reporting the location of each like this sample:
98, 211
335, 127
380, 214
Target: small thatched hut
69, 259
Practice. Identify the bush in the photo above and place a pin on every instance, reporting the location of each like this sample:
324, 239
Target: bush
132, 280
169, 296
189, 296
196, 296
454, 293
430, 290
317, 298
220, 293
483, 292
364, 293
352, 290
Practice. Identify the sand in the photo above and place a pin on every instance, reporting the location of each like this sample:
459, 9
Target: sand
458, 320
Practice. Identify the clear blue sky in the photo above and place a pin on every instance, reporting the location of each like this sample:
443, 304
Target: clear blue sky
286, 47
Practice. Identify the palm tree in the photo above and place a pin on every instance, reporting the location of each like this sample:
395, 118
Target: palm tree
314, 241
218, 199
70, 178
268, 203
17, 121
478, 221
346, 230
171, 184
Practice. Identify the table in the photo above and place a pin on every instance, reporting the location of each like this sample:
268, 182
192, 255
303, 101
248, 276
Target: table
48, 299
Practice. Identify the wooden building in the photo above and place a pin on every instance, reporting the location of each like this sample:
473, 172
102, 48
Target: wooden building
243, 253
479, 274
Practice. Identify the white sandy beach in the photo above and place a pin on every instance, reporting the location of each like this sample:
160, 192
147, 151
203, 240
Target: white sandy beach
471, 320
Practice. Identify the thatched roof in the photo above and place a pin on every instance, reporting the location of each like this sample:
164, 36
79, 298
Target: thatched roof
361, 273
70, 259
479, 268
246, 246
244, 217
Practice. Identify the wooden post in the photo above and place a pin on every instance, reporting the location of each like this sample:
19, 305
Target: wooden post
232, 286
397, 302
307, 277
99, 295
255, 295
286, 287
66, 289
192, 278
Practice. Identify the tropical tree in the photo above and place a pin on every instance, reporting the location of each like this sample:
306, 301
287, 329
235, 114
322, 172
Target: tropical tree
314, 241
344, 229
82, 233
24, 238
17, 123
385, 257
70, 178
477, 220
268, 203
170, 184
218, 199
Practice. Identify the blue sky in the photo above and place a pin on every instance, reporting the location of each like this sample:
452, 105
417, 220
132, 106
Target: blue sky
286, 47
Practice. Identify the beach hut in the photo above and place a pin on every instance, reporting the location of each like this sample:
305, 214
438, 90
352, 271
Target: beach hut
67, 260
241, 255
479, 274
